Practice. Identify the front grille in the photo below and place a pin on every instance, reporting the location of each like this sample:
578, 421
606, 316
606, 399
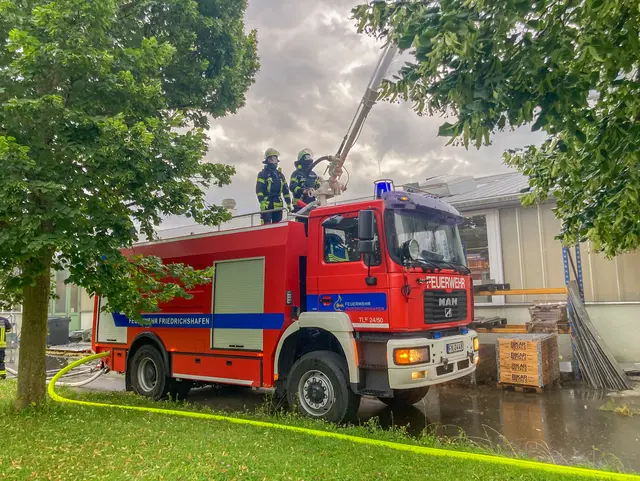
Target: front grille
441, 306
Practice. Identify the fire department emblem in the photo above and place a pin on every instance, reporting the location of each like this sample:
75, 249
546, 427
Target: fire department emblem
338, 305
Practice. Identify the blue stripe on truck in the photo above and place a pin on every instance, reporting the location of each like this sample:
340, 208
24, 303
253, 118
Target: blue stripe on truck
248, 321
206, 321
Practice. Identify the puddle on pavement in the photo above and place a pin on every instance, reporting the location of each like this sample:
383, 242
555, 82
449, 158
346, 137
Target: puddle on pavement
55, 362
565, 426
52, 363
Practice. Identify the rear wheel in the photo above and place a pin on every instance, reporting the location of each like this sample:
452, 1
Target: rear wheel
318, 387
149, 374
405, 397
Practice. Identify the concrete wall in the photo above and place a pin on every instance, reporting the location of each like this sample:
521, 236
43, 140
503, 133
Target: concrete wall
618, 324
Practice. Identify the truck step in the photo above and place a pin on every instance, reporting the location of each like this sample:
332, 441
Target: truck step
373, 366
366, 338
376, 393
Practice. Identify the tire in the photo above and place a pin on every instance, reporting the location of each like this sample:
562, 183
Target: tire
149, 374
318, 387
405, 397
179, 390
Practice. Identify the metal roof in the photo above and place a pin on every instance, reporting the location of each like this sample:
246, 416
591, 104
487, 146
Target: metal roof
492, 189
497, 190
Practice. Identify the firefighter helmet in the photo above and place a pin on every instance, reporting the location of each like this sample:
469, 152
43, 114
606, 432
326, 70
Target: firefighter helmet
303, 153
270, 152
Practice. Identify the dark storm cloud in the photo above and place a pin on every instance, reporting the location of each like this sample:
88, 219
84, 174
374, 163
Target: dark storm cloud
314, 69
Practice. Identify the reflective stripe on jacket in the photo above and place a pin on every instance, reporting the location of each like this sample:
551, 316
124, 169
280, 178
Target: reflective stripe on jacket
299, 183
5, 326
271, 186
336, 254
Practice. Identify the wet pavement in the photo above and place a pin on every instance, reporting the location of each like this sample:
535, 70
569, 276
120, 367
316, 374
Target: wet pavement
565, 425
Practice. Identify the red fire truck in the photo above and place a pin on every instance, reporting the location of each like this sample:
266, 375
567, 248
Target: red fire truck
366, 298
373, 300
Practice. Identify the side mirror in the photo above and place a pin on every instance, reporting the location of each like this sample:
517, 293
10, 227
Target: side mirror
366, 230
366, 247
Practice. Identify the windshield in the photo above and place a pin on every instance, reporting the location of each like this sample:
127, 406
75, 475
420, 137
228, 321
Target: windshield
438, 243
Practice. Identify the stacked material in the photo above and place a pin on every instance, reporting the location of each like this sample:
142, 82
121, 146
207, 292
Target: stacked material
488, 322
528, 359
548, 317
597, 365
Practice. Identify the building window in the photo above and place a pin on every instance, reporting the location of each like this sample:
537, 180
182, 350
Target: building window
341, 240
60, 304
480, 234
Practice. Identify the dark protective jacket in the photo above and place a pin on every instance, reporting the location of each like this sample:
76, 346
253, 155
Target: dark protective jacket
301, 179
271, 187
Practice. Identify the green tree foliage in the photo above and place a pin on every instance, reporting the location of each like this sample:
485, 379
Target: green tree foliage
104, 106
568, 67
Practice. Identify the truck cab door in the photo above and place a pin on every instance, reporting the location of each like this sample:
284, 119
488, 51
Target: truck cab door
343, 273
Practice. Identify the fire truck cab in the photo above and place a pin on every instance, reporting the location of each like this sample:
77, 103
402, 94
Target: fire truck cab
369, 298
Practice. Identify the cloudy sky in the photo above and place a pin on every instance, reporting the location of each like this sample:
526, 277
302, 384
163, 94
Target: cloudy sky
314, 69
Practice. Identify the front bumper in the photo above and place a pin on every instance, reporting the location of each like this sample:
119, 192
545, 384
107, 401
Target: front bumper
442, 367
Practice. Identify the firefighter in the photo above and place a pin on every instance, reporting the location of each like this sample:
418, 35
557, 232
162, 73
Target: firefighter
271, 186
334, 249
5, 326
303, 180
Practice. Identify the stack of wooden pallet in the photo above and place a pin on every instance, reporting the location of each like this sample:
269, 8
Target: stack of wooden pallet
548, 318
528, 360
488, 322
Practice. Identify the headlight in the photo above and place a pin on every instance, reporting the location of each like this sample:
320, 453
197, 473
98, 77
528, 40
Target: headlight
411, 249
416, 355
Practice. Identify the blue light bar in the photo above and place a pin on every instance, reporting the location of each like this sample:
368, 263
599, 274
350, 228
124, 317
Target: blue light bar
382, 186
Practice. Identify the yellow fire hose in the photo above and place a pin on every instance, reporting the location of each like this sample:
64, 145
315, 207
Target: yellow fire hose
480, 458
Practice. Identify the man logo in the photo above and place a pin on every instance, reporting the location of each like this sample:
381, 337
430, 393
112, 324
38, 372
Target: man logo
448, 312
447, 301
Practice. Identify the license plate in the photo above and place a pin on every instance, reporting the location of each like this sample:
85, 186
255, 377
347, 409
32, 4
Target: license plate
455, 347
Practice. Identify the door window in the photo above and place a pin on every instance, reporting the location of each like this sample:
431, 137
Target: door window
341, 240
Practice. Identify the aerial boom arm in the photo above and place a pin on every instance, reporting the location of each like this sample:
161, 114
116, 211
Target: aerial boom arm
368, 101
332, 187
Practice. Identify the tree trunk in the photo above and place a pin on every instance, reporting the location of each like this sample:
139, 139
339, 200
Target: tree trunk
33, 339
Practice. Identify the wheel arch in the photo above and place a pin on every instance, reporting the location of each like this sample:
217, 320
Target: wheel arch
331, 331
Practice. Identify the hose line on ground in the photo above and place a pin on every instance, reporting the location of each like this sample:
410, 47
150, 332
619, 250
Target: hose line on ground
482, 458
84, 382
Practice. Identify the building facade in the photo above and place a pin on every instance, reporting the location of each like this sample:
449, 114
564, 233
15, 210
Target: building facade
508, 243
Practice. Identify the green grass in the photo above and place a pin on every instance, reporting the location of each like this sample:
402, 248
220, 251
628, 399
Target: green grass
70, 442
271, 411
622, 409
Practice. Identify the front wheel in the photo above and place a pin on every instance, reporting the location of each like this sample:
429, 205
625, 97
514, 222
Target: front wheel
318, 386
405, 397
